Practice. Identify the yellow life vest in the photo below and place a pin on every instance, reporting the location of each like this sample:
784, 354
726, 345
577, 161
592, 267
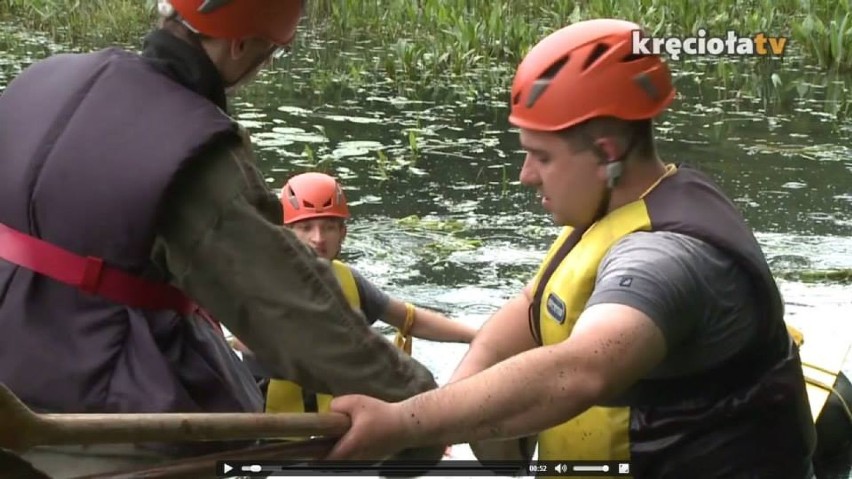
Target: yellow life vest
600, 433
287, 396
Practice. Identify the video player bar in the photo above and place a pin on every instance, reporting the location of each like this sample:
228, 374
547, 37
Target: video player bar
409, 468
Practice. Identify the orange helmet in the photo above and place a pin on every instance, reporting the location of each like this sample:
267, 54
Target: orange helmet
313, 195
588, 70
274, 20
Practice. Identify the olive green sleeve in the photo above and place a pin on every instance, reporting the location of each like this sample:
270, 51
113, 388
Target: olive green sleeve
221, 240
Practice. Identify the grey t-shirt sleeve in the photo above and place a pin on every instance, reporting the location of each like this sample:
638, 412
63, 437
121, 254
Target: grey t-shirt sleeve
697, 295
374, 302
656, 274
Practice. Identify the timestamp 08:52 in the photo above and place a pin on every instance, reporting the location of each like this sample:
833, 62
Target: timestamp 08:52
580, 468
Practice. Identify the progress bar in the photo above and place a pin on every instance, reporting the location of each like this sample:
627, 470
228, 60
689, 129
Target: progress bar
412, 469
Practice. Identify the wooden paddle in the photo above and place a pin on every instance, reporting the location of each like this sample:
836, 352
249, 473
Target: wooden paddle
202, 467
22, 428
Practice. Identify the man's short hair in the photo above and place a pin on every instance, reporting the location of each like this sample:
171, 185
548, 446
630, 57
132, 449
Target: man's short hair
640, 132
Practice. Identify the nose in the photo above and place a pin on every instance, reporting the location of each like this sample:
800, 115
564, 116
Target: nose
315, 236
529, 176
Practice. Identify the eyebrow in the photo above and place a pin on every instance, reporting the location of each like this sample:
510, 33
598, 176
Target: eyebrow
535, 151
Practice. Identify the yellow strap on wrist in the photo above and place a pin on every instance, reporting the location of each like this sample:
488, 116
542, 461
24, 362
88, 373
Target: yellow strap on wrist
403, 339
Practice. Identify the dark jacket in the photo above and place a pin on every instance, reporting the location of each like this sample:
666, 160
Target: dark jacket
133, 159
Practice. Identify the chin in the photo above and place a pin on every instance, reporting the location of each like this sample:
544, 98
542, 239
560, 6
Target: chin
562, 221
557, 219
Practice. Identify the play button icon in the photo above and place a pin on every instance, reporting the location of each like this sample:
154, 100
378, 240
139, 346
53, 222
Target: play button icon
224, 468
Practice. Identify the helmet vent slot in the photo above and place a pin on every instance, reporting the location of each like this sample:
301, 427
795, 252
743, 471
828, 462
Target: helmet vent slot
632, 57
598, 52
210, 5
291, 198
544, 80
647, 85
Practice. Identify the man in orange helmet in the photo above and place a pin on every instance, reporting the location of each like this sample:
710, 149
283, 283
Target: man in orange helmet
132, 212
653, 332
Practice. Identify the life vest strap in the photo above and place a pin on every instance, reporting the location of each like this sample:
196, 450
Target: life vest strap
91, 275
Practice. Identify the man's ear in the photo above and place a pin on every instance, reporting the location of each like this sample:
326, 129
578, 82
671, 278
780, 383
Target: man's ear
343, 232
607, 149
238, 49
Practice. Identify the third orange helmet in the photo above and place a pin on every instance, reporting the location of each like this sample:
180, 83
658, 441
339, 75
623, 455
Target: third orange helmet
313, 195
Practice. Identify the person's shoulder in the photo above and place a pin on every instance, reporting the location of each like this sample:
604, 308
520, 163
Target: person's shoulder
655, 246
214, 176
374, 301
359, 278
219, 184
670, 277
668, 258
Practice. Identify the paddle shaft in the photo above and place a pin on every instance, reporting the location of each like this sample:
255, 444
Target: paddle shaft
203, 467
23, 428
60, 429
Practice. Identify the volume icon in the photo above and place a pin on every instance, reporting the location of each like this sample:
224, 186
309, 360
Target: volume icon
561, 468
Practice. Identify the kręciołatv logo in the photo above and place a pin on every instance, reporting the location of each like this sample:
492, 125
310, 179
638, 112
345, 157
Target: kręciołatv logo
702, 44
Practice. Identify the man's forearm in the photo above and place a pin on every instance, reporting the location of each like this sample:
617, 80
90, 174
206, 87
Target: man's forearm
505, 334
432, 325
520, 396
475, 360
611, 347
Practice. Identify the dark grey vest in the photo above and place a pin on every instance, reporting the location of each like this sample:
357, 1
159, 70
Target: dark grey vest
89, 144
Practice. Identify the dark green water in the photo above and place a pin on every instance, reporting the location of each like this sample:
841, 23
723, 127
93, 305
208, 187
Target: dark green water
781, 151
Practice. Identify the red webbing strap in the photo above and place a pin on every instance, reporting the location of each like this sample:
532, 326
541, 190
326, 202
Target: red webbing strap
91, 275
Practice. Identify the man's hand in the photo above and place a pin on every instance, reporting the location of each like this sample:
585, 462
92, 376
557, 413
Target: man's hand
378, 429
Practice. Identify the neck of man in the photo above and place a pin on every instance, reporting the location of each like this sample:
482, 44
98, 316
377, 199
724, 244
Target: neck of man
639, 175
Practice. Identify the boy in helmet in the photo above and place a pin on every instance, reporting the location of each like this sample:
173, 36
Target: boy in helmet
652, 333
315, 209
132, 213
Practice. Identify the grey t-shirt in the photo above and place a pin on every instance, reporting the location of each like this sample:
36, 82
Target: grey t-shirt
699, 297
374, 302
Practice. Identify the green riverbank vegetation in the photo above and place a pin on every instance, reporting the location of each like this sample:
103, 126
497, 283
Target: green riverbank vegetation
470, 44
456, 35
90, 22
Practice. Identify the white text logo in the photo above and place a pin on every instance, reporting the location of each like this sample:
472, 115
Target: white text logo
731, 44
